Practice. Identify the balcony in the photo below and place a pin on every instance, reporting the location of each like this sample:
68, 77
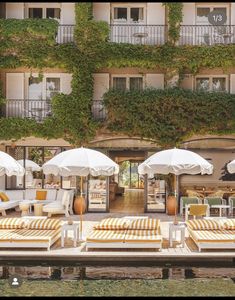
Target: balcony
138, 34
98, 110
206, 34
27, 108
65, 34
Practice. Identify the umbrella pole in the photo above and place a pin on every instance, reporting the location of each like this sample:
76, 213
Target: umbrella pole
176, 199
81, 216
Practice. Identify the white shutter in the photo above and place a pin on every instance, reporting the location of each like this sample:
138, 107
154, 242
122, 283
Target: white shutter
67, 13
155, 81
155, 13
101, 11
232, 83
15, 10
232, 13
187, 82
189, 13
15, 85
65, 82
101, 85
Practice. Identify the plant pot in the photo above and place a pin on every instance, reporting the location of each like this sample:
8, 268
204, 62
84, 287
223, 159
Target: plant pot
171, 205
79, 205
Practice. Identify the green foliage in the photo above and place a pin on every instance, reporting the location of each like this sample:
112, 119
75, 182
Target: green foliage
171, 115
175, 17
161, 115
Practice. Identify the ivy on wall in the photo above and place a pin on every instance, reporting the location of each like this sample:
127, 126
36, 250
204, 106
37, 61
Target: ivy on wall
170, 115
31, 43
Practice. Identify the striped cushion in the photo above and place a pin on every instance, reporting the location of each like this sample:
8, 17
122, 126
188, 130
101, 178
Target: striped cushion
203, 224
31, 235
142, 236
106, 236
12, 223
44, 224
144, 224
229, 224
217, 236
112, 224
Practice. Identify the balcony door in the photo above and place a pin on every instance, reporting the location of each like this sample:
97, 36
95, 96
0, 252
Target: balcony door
40, 93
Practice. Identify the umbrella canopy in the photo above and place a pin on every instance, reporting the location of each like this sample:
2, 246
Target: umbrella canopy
9, 166
231, 166
30, 165
81, 162
175, 161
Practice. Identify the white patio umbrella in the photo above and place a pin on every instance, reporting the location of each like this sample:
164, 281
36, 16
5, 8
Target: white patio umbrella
177, 162
9, 166
30, 165
231, 166
81, 162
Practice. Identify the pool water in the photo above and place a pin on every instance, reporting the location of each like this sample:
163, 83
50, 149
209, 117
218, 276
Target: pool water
118, 281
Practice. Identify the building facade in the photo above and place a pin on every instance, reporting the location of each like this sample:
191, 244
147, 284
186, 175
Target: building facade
131, 23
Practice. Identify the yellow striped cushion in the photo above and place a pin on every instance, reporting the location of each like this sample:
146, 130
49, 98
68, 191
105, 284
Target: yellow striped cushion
112, 224
144, 224
217, 236
44, 224
22, 235
144, 236
203, 224
230, 224
106, 236
12, 223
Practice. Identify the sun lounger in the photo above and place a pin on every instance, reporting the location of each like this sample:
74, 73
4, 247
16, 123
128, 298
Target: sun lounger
126, 233
212, 234
31, 233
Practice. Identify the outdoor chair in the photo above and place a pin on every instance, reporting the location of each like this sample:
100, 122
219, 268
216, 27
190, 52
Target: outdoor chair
60, 206
197, 210
214, 201
187, 200
231, 202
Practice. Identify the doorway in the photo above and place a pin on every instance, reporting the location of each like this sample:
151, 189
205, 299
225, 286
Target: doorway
128, 185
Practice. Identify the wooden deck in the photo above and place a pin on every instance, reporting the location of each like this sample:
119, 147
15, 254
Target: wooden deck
78, 255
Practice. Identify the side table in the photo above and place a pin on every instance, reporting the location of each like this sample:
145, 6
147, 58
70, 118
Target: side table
38, 209
64, 233
173, 228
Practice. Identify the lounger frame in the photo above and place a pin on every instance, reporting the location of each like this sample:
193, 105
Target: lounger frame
124, 245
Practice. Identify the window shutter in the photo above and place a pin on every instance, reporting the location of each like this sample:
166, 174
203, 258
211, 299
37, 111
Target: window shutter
187, 82
65, 83
155, 81
15, 85
101, 85
232, 83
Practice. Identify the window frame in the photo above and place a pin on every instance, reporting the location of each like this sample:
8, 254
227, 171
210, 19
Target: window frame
210, 81
44, 82
211, 6
128, 7
44, 7
128, 76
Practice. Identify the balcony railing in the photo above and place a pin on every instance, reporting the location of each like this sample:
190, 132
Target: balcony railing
27, 108
206, 34
138, 34
98, 110
65, 34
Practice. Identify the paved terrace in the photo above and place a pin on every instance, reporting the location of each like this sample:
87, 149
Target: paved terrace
175, 255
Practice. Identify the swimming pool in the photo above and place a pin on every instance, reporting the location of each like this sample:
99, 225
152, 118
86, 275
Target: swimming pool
72, 280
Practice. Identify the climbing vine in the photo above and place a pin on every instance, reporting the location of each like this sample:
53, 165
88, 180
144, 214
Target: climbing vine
170, 115
31, 43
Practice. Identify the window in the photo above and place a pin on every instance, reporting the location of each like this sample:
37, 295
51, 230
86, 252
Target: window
35, 13
129, 13
128, 82
44, 12
203, 12
52, 87
216, 84
43, 89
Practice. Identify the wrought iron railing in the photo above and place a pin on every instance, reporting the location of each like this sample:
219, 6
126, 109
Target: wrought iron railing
138, 34
27, 108
65, 34
98, 110
206, 34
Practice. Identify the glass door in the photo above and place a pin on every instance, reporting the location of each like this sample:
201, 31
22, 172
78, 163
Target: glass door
128, 175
